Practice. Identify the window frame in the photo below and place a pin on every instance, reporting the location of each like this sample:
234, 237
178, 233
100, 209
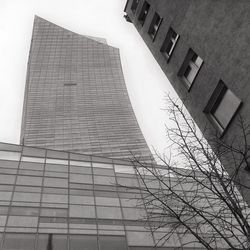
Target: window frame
134, 6
189, 64
155, 26
213, 104
166, 43
144, 13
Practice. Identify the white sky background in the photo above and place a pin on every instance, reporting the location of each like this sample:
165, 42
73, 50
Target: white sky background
145, 80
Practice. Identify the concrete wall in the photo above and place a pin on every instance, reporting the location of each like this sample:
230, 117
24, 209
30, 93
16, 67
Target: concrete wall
219, 32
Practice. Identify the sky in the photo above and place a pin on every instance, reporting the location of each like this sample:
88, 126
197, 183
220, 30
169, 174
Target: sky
146, 83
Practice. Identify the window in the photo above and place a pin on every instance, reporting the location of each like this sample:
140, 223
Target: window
222, 106
144, 13
154, 26
169, 44
190, 67
135, 5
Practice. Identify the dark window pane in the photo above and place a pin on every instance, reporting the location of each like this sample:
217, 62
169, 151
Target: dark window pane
52, 242
83, 242
112, 243
19, 242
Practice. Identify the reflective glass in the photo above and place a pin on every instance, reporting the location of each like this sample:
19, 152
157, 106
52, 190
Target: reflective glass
33, 159
80, 163
109, 212
28, 180
102, 171
102, 165
7, 179
12, 156
52, 242
112, 243
8, 164
124, 169
77, 178
81, 211
19, 242
31, 165
56, 161
24, 211
83, 242
107, 201
55, 182
22, 221
56, 168
55, 198
80, 170
104, 180
81, 200
55, 212
140, 238
28, 197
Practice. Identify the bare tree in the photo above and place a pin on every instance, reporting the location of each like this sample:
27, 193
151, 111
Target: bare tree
191, 196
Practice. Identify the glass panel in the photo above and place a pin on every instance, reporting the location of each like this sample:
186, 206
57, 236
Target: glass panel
29, 181
82, 200
124, 169
27, 151
22, 221
7, 179
109, 212
33, 159
112, 243
107, 201
104, 180
8, 164
54, 212
134, 214
52, 242
226, 108
55, 182
24, 211
80, 170
5, 196
102, 171
82, 211
12, 156
31, 165
55, 198
28, 189
127, 182
19, 242
81, 178
56, 161
3, 220
102, 165
140, 239
57, 154
83, 242
80, 163
28, 197
57, 168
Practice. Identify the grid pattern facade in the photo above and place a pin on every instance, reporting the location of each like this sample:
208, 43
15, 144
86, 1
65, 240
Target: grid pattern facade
76, 98
59, 200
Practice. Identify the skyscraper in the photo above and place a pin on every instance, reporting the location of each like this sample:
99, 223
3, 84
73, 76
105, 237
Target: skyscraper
76, 98
203, 48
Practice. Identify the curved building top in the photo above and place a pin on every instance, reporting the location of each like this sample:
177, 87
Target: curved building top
76, 98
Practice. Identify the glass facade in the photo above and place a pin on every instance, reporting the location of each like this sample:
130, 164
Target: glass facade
60, 200
76, 98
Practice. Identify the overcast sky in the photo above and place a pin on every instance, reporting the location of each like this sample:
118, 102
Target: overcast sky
145, 80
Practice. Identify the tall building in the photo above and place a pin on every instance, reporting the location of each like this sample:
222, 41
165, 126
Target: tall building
63, 200
76, 98
203, 48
